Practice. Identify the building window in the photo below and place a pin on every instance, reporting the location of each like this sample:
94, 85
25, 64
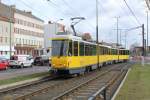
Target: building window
21, 22
1, 39
6, 29
17, 40
6, 39
24, 23
20, 41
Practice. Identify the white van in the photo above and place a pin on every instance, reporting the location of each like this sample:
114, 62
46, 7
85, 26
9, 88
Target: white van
21, 61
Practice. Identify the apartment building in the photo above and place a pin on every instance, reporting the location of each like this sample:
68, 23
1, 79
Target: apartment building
28, 33
6, 30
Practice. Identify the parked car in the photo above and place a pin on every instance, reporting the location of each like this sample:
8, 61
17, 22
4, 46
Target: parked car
21, 61
41, 60
4, 63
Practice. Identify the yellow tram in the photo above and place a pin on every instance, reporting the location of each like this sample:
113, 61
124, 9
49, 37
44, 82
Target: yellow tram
72, 55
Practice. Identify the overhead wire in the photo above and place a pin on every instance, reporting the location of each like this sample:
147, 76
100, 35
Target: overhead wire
71, 14
56, 7
66, 3
52, 3
132, 12
126, 13
34, 9
38, 11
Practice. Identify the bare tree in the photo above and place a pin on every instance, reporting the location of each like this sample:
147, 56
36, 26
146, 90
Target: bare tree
86, 37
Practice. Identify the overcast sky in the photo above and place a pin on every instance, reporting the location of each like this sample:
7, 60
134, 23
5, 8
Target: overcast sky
108, 10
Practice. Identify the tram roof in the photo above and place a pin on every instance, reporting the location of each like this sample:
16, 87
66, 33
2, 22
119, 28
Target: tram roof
70, 37
76, 38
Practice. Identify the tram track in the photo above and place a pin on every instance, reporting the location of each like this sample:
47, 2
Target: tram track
85, 90
53, 88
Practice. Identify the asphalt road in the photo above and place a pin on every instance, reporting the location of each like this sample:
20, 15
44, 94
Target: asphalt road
10, 73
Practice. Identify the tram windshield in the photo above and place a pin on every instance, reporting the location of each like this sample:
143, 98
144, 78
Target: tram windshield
59, 47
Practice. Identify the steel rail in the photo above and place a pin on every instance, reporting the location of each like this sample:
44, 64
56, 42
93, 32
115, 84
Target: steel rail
60, 96
44, 79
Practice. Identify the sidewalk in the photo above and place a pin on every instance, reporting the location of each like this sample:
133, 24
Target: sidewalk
137, 84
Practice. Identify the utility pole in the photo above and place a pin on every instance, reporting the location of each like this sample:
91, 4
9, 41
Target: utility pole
143, 41
10, 21
125, 40
117, 29
147, 33
97, 41
120, 37
117, 36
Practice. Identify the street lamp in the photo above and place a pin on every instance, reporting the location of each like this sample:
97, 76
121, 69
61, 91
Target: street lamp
97, 37
74, 23
10, 32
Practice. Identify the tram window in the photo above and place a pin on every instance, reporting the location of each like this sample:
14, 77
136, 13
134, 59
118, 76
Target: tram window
94, 50
113, 51
109, 51
70, 49
122, 52
90, 49
87, 50
125, 52
119, 52
116, 52
81, 49
75, 48
106, 51
101, 50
